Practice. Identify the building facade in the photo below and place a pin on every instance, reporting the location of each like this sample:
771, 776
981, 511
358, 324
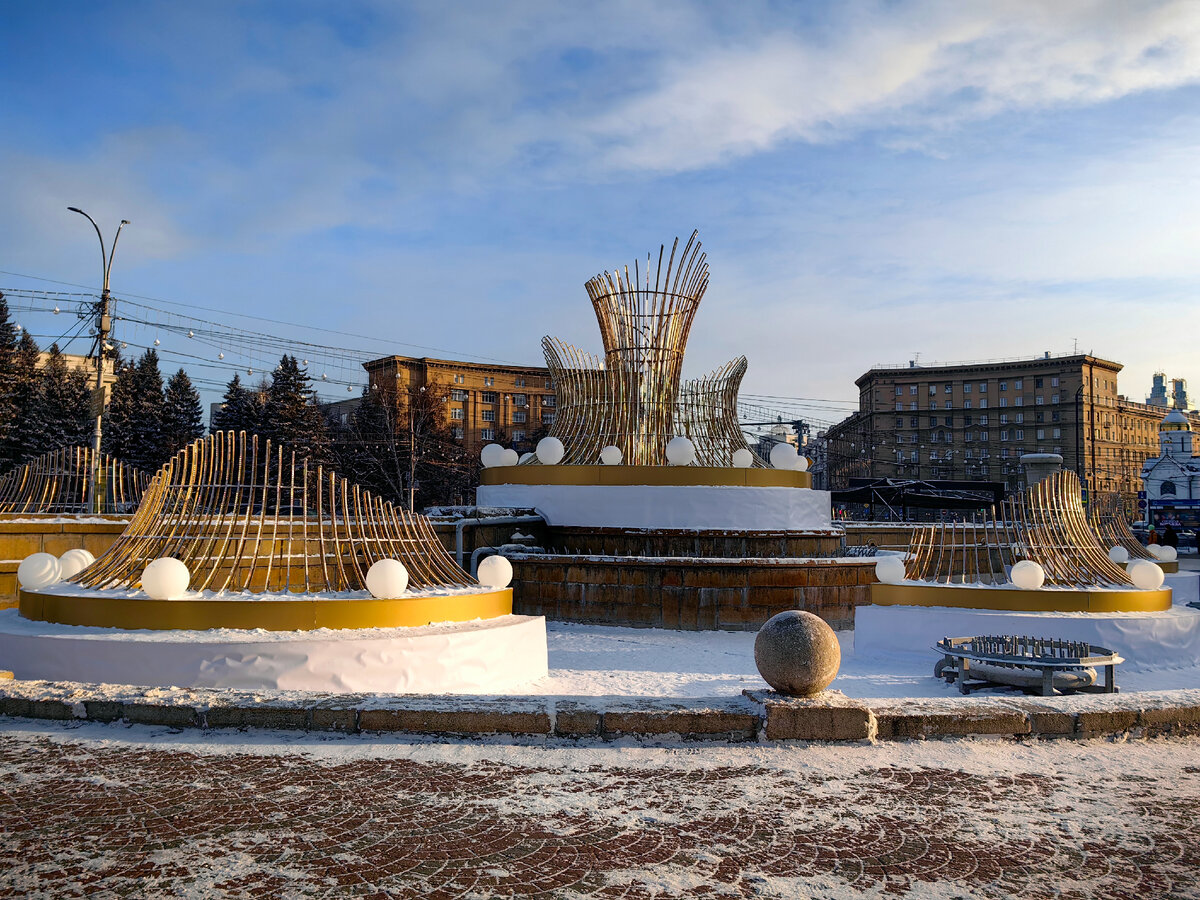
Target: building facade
483, 402
974, 421
1172, 479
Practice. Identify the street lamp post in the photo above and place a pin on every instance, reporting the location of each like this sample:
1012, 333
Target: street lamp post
103, 327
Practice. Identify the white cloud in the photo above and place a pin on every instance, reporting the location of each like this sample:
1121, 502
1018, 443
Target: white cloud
924, 65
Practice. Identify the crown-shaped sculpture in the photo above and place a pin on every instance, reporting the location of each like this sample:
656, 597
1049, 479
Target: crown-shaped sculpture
635, 398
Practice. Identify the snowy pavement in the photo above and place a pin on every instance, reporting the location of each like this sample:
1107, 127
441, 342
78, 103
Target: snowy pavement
105, 811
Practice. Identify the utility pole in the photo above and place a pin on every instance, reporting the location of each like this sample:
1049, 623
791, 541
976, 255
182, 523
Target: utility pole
103, 327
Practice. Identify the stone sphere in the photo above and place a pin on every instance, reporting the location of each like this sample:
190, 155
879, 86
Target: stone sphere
680, 451
1028, 575
38, 570
743, 458
550, 451
1168, 553
611, 456
495, 572
387, 579
73, 562
1119, 555
511, 457
1145, 575
166, 578
889, 569
491, 455
797, 653
783, 456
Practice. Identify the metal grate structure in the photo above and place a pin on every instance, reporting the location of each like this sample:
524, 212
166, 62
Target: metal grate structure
634, 397
59, 483
1046, 524
245, 515
1107, 516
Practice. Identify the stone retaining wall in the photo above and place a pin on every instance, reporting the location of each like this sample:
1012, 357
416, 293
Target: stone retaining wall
758, 716
688, 594
55, 535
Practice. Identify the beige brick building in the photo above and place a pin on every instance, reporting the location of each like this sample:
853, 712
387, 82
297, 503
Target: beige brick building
973, 421
484, 402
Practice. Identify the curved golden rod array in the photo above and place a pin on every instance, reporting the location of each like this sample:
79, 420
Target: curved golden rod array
1107, 516
59, 482
634, 398
248, 516
1046, 524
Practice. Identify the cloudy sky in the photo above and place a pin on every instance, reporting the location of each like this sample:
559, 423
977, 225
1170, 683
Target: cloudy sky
871, 180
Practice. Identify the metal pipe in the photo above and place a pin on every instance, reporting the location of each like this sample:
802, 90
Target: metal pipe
463, 524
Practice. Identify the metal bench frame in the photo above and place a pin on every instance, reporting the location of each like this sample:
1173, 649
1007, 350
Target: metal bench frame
1045, 654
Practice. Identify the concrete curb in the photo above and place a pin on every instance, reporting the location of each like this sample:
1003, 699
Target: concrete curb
757, 716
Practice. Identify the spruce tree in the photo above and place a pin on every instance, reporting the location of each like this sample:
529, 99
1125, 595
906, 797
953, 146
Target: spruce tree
134, 428
183, 418
20, 444
293, 417
241, 410
61, 412
8, 380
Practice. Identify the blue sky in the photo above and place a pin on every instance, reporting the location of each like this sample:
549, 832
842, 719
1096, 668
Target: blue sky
870, 179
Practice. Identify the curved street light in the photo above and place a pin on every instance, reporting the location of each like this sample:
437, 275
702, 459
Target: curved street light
103, 326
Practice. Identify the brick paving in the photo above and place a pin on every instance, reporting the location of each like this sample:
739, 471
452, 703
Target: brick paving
105, 811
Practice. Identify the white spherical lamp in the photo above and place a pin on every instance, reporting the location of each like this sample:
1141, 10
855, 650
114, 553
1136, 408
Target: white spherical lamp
889, 569
1153, 549
511, 457
783, 456
550, 451
801, 463
73, 562
491, 455
524, 458
38, 570
1028, 575
680, 451
1145, 575
166, 578
387, 579
1119, 555
1168, 553
611, 455
495, 572
742, 458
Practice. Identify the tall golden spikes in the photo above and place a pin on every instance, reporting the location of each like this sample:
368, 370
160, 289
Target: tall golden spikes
59, 482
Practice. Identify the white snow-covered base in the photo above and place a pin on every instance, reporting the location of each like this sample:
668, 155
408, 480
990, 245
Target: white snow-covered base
484, 656
1169, 639
667, 506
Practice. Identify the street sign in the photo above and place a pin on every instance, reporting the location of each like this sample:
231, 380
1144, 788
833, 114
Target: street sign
1141, 495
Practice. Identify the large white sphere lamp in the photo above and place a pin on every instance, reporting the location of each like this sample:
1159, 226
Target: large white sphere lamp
1119, 555
38, 570
73, 562
491, 455
550, 451
783, 456
743, 458
1145, 575
166, 578
387, 579
611, 455
494, 572
680, 451
1028, 575
889, 569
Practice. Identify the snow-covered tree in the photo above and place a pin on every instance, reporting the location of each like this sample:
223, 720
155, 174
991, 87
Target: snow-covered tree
183, 417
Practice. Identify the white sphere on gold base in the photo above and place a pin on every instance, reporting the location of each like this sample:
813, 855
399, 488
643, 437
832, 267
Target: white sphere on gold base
1028, 575
166, 578
742, 458
1119, 555
889, 569
611, 455
680, 451
38, 570
495, 572
387, 579
1145, 575
550, 451
73, 562
783, 456
491, 455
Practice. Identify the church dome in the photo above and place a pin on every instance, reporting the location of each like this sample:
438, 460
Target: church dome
1175, 420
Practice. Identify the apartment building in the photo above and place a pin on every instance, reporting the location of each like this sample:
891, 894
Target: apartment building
974, 421
484, 402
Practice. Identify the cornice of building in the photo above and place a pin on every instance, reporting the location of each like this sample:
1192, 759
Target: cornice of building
432, 363
942, 369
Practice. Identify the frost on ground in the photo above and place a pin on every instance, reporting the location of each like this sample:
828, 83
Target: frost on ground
114, 810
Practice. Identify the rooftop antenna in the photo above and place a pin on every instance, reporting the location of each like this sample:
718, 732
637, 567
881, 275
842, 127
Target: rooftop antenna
1076, 350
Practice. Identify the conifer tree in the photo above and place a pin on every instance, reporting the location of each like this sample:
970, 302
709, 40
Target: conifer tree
20, 444
183, 418
8, 385
241, 409
61, 413
293, 417
133, 430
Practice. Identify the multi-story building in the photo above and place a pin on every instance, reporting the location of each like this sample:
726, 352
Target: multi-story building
484, 402
973, 421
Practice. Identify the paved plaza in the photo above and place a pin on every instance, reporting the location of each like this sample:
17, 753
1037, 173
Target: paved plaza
115, 811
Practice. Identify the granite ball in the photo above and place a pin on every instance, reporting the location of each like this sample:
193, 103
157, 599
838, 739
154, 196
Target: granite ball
797, 653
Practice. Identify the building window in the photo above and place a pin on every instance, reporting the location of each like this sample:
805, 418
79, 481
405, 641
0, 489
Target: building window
1055, 417
983, 402
487, 434
932, 421
488, 415
458, 433
1037, 382
912, 423
1019, 434
456, 413
489, 381
518, 435
1018, 385
967, 421
899, 390
1039, 417
520, 415
913, 456
983, 420
460, 379
1004, 385
1054, 398
1041, 434
1167, 489
520, 399
967, 388
1019, 418
458, 395
899, 405
1004, 401
912, 389
1054, 381
969, 436
519, 382
1057, 432
489, 397
932, 389
1003, 418
1019, 401
983, 387
966, 404
547, 418
912, 405
899, 422
548, 400
949, 389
